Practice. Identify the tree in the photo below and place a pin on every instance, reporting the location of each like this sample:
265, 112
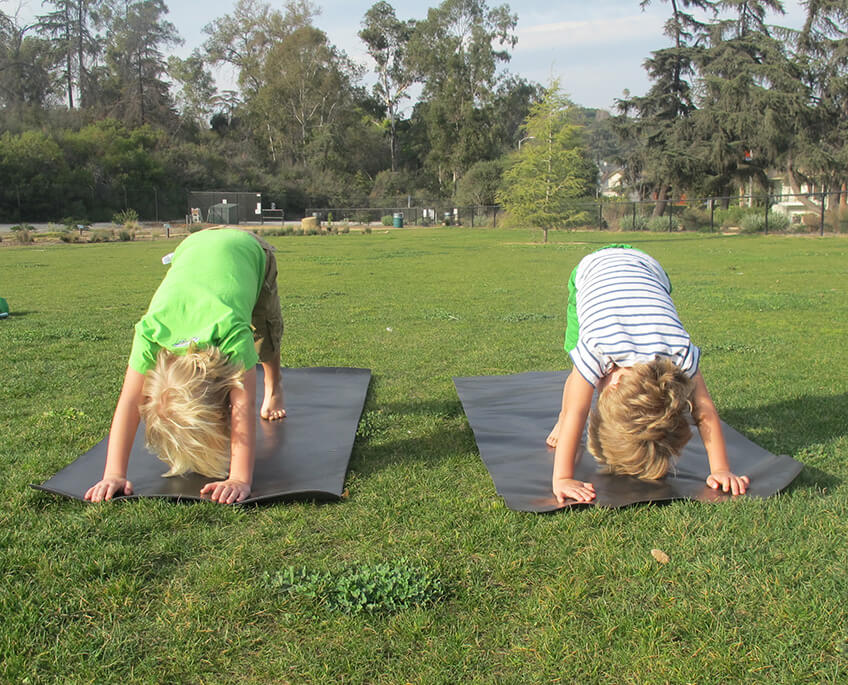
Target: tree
821, 150
136, 35
752, 98
660, 130
387, 39
552, 170
305, 98
196, 96
244, 38
69, 26
454, 52
26, 64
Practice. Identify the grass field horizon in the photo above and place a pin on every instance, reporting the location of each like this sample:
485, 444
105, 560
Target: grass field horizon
154, 591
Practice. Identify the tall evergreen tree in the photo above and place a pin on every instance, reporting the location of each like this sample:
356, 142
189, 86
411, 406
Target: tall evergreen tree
659, 128
821, 154
552, 170
70, 27
753, 99
137, 34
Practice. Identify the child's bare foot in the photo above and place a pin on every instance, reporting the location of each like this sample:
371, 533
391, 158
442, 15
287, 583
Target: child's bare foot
553, 435
273, 407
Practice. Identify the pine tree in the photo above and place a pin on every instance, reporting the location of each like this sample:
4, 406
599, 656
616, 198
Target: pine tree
552, 171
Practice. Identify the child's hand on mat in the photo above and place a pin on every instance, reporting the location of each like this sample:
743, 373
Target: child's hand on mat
575, 489
728, 482
226, 491
106, 488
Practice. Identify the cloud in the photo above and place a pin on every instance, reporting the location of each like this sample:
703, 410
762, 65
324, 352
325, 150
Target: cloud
597, 33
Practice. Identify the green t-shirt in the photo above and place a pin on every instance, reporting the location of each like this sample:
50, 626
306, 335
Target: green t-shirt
206, 298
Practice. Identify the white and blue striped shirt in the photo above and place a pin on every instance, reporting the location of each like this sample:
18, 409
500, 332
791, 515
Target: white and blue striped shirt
626, 316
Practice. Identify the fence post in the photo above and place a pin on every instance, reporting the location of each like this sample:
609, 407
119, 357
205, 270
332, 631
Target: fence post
712, 214
633, 227
767, 212
472, 216
670, 216
600, 216
156, 203
495, 216
821, 219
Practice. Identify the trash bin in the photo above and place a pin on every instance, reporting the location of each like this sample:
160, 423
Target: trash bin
397, 220
4, 308
447, 217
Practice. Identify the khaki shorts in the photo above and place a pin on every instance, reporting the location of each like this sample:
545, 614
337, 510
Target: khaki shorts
267, 321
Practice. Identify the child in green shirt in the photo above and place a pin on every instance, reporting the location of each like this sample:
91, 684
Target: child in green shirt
191, 374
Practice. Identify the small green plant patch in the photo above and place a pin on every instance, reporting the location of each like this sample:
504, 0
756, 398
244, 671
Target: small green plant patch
372, 588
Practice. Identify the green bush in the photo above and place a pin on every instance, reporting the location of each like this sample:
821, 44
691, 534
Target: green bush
626, 223
756, 223
126, 217
23, 233
69, 236
102, 236
732, 216
367, 229
371, 588
125, 235
660, 224
387, 219
696, 219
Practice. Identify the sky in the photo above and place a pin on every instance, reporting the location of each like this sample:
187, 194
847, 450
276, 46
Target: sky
596, 48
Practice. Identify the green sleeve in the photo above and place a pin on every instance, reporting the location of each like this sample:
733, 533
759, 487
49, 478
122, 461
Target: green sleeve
572, 327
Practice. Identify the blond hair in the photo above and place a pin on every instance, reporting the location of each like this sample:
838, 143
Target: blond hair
186, 410
640, 425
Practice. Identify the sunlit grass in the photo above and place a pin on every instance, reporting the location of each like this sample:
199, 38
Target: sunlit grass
154, 591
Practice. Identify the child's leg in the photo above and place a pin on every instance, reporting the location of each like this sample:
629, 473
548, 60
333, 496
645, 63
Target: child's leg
268, 332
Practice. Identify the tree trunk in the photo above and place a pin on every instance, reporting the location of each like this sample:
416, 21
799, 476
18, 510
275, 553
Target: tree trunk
662, 201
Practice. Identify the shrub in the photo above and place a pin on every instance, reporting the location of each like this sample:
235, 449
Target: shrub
660, 224
126, 217
72, 222
387, 219
626, 223
102, 236
69, 236
367, 229
126, 235
23, 233
732, 216
756, 223
695, 219
345, 228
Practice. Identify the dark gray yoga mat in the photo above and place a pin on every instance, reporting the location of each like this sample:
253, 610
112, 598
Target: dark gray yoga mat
512, 415
303, 456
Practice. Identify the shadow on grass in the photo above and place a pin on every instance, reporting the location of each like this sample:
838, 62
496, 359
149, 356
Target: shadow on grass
795, 426
444, 435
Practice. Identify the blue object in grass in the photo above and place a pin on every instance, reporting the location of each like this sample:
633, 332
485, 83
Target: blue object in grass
4, 308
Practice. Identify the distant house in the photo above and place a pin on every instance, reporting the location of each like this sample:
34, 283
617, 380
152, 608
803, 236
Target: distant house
611, 181
807, 201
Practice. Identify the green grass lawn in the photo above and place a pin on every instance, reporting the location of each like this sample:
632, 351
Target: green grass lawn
154, 591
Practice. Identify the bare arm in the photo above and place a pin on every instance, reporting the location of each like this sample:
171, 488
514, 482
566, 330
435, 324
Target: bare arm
709, 426
576, 403
121, 436
242, 445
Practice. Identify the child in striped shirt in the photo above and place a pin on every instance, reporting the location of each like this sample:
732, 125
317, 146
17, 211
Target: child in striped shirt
626, 341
